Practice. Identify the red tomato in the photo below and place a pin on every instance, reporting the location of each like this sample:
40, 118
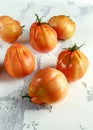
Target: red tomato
48, 86
19, 61
43, 38
63, 25
10, 29
73, 63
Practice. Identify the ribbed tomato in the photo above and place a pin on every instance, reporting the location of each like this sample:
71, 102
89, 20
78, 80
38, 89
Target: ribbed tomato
19, 61
73, 63
63, 25
43, 38
48, 86
10, 29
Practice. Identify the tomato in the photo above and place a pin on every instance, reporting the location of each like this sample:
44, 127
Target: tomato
19, 61
48, 86
0, 67
63, 25
43, 38
73, 63
10, 29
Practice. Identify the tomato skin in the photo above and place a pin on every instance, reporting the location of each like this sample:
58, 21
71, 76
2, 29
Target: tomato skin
43, 38
63, 25
19, 61
48, 86
73, 64
10, 29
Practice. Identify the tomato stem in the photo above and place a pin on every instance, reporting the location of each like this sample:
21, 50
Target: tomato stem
80, 46
75, 47
39, 20
23, 26
26, 96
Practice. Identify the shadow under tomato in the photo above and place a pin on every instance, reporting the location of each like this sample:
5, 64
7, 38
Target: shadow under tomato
24, 37
27, 104
4, 76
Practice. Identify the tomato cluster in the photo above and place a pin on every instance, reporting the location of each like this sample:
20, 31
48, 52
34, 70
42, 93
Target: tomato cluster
48, 85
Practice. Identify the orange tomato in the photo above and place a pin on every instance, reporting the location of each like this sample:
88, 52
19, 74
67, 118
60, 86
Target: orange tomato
10, 29
19, 61
73, 63
63, 25
43, 38
48, 86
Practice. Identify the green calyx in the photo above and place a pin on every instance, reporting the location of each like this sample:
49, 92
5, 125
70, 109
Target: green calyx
74, 47
39, 20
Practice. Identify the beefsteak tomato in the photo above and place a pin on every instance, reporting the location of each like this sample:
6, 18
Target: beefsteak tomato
43, 38
19, 61
48, 86
73, 63
63, 25
10, 29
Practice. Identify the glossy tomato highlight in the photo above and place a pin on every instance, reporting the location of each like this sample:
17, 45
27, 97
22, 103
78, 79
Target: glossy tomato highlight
19, 61
48, 86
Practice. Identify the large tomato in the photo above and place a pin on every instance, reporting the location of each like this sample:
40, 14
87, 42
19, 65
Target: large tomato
48, 86
73, 63
10, 29
63, 25
19, 61
43, 37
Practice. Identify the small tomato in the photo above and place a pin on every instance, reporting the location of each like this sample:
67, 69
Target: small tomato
63, 25
73, 63
48, 86
19, 61
10, 29
43, 37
